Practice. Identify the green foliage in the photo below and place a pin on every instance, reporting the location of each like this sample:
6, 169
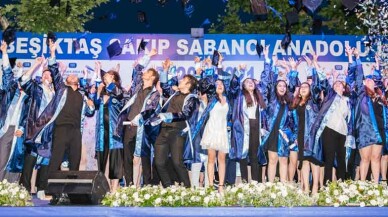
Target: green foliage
38, 16
333, 14
341, 20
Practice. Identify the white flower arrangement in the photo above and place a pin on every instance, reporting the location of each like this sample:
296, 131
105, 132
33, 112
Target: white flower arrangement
353, 193
253, 194
12, 194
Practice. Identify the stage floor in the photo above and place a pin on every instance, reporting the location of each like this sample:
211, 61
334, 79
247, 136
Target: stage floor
42, 208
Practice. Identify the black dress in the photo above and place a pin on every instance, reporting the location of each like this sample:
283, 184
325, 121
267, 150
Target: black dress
115, 155
378, 110
301, 111
272, 141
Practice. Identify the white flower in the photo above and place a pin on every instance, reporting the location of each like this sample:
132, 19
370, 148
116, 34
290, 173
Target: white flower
273, 195
135, 195
336, 192
370, 192
115, 203
284, 193
240, 196
163, 192
373, 202
147, 196
183, 194
206, 200
362, 204
202, 193
353, 187
336, 204
158, 200
328, 200
22, 196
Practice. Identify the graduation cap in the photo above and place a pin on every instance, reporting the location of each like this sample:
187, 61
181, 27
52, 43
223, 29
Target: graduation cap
54, 3
76, 44
286, 40
142, 45
216, 58
52, 36
259, 48
141, 17
9, 35
114, 49
12, 62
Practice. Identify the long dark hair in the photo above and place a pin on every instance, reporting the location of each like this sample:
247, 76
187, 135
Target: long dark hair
376, 94
117, 80
299, 100
258, 97
285, 99
216, 95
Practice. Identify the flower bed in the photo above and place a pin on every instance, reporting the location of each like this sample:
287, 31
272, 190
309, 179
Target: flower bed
12, 194
253, 194
353, 193
348, 193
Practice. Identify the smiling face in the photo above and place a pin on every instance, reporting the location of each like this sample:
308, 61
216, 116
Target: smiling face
108, 78
46, 77
184, 84
220, 87
369, 83
304, 90
281, 88
339, 87
249, 85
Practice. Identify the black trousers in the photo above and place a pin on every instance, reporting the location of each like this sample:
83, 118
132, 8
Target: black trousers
170, 141
333, 149
129, 149
68, 139
254, 142
28, 167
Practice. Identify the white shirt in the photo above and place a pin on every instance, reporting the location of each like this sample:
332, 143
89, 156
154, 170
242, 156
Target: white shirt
337, 119
251, 111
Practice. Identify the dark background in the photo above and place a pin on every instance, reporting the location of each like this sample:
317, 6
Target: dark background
168, 19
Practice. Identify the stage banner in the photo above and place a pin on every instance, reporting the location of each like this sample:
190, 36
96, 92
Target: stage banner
182, 49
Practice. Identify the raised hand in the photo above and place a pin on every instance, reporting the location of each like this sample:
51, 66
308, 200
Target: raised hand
3, 47
348, 50
293, 63
53, 47
356, 53
166, 64
308, 60
266, 51
197, 59
153, 52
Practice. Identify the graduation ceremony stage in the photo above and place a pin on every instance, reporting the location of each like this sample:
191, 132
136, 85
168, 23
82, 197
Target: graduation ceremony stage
41, 208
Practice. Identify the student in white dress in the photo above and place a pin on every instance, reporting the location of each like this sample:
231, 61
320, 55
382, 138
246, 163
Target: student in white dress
215, 137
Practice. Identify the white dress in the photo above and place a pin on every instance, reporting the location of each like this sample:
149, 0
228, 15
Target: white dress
215, 135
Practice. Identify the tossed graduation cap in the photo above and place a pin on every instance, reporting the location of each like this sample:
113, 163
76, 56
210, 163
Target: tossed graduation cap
259, 48
142, 45
142, 16
12, 62
52, 36
76, 44
114, 49
286, 40
9, 35
216, 58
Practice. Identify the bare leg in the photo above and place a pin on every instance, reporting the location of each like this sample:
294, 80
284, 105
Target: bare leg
375, 161
316, 172
384, 166
210, 165
365, 153
136, 171
292, 166
306, 176
221, 170
273, 161
283, 163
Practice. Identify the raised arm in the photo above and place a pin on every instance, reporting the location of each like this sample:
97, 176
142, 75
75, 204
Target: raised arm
6, 71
